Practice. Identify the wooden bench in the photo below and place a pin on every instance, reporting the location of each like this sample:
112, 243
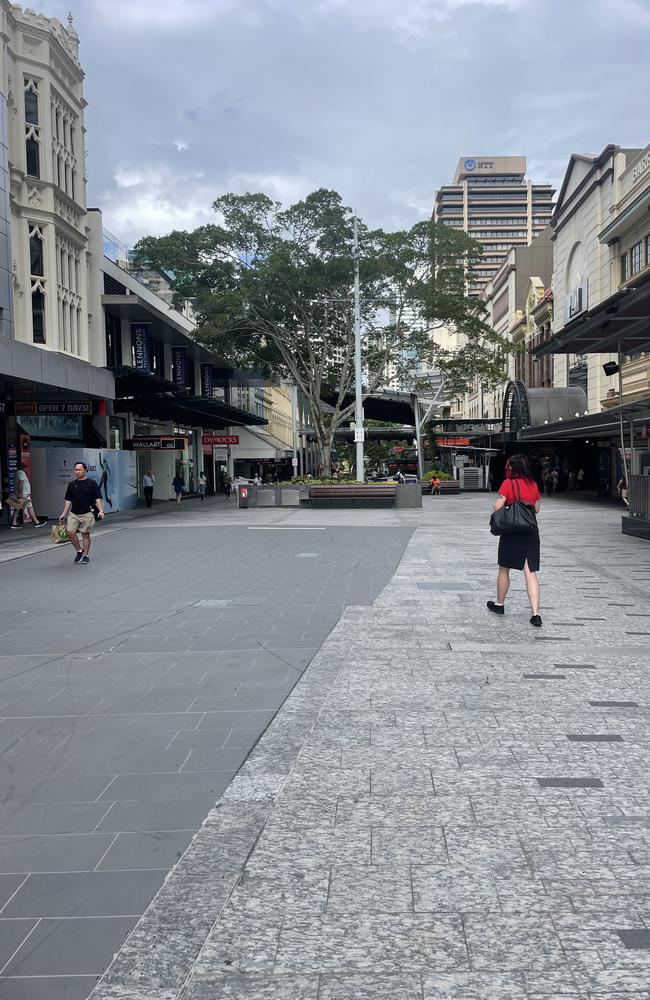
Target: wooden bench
354, 495
448, 487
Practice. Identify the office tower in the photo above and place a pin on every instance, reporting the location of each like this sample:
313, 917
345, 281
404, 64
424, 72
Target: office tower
491, 200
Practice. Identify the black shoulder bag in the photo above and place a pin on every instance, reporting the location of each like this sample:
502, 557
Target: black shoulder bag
516, 518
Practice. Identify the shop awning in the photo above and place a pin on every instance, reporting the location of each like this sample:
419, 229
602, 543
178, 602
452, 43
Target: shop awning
130, 382
622, 319
34, 372
592, 425
193, 411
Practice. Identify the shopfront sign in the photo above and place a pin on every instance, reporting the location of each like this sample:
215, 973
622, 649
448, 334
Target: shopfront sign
66, 408
453, 442
155, 444
140, 341
207, 380
220, 439
179, 366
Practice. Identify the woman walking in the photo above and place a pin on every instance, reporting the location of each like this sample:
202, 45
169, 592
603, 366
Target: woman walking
519, 550
178, 485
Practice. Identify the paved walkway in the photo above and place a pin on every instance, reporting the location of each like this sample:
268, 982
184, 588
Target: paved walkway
449, 806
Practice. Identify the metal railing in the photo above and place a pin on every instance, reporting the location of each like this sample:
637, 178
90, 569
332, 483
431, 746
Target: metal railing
639, 496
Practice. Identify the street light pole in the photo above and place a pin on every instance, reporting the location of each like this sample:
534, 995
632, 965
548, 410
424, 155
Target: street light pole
358, 387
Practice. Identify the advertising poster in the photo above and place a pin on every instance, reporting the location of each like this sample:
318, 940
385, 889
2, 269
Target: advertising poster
114, 471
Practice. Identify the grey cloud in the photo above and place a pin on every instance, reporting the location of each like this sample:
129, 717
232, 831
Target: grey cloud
377, 98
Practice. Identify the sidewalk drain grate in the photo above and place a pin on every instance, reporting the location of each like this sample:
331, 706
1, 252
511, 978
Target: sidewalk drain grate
445, 585
575, 666
544, 677
614, 704
635, 939
212, 604
570, 783
594, 738
307, 555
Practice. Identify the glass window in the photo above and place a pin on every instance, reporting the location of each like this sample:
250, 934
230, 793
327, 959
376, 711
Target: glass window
637, 257
38, 317
647, 250
33, 157
31, 107
36, 255
624, 267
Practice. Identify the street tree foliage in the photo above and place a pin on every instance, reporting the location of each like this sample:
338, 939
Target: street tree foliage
272, 289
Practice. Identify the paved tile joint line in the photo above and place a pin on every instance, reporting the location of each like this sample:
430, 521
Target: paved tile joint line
415, 821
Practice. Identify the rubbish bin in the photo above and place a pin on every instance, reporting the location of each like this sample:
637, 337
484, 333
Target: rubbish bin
242, 493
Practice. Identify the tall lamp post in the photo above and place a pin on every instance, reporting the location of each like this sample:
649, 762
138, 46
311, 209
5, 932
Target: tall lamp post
358, 386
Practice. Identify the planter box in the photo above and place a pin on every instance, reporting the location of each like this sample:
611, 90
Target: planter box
278, 496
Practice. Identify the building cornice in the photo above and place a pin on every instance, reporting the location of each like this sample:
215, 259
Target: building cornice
48, 29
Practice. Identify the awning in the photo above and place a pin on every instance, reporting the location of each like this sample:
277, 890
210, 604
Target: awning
256, 443
622, 319
131, 382
592, 425
38, 373
193, 411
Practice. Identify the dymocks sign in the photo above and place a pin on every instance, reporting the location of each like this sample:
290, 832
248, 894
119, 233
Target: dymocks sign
212, 439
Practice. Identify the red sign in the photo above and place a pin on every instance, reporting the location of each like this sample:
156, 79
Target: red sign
453, 442
212, 439
26, 455
645, 432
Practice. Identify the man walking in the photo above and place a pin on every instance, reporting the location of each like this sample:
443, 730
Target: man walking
81, 496
148, 481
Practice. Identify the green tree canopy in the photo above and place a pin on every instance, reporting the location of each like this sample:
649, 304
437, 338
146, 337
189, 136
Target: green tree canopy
272, 288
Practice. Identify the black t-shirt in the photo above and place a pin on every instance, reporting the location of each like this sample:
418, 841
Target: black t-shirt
82, 493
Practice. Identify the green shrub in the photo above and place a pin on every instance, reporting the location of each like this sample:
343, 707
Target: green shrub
437, 474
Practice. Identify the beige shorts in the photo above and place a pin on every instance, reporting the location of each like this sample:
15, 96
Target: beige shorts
80, 522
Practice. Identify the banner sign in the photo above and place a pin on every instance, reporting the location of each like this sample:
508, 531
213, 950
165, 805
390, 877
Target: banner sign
179, 367
12, 466
453, 442
155, 444
207, 380
69, 408
211, 439
140, 340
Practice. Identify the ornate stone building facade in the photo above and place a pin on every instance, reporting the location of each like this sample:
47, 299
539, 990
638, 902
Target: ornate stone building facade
43, 82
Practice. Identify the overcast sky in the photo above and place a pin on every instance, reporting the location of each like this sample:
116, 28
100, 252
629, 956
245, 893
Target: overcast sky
189, 99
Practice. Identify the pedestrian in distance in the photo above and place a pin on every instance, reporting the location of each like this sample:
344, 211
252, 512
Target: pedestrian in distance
621, 486
581, 479
571, 482
148, 482
20, 501
203, 482
547, 479
82, 499
435, 487
178, 485
227, 485
555, 480
521, 549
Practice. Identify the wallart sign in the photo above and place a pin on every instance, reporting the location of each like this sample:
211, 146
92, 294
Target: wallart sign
207, 380
179, 366
140, 341
155, 444
211, 439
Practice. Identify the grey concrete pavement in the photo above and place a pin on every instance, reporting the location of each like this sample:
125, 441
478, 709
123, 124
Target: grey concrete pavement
131, 691
448, 806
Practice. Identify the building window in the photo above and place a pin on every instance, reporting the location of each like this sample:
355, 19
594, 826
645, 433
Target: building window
64, 145
637, 257
36, 253
68, 294
32, 130
625, 267
38, 317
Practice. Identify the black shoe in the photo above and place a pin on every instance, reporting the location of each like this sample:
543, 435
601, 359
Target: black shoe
78, 557
536, 621
498, 609
86, 560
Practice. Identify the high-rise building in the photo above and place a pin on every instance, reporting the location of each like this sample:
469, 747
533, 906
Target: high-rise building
491, 200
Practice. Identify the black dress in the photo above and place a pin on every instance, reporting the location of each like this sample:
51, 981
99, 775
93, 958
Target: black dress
516, 549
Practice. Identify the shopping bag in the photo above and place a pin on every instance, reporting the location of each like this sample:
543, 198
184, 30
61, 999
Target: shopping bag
58, 533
